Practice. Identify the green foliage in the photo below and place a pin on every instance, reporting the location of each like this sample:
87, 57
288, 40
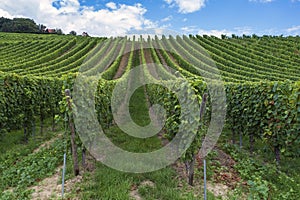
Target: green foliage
18, 25
32, 168
262, 88
18, 193
113, 59
20, 167
174, 115
23, 98
266, 110
264, 180
73, 33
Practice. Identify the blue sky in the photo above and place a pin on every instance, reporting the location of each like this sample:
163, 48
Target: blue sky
109, 17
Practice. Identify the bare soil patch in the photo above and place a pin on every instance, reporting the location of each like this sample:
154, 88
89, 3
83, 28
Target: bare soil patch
134, 189
123, 62
223, 181
149, 60
51, 187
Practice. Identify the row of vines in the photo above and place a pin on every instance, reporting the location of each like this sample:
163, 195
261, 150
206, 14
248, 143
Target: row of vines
26, 100
261, 109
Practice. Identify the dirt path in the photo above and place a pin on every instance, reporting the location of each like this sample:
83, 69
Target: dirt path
156, 121
48, 188
47, 143
162, 60
100, 58
114, 56
124, 62
51, 187
149, 60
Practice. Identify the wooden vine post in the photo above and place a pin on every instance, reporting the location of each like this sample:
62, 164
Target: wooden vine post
190, 164
202, 112
72, 128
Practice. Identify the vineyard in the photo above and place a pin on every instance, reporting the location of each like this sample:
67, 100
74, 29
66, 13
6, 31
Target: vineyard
258, 78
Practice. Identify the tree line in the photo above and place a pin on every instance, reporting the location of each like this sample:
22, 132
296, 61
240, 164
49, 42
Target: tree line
24, 25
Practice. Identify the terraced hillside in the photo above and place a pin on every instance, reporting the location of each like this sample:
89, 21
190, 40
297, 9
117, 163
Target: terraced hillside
260, 85
238, 59
43, 55
249, 66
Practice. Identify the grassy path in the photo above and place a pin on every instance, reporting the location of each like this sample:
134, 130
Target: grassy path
107, 183
25, 164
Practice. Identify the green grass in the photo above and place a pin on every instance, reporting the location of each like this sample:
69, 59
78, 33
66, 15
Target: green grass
130, 143
20, 167
14, 140
140, 115
138, 107
265, 179
107, 183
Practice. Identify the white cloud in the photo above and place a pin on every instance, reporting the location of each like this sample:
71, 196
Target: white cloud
170, 17
111, 5
5, 14
187, 6
69, 6
148, 24
70, 15
19, 8
293, 29
189, 29
242, 30
215, 32
237, 31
